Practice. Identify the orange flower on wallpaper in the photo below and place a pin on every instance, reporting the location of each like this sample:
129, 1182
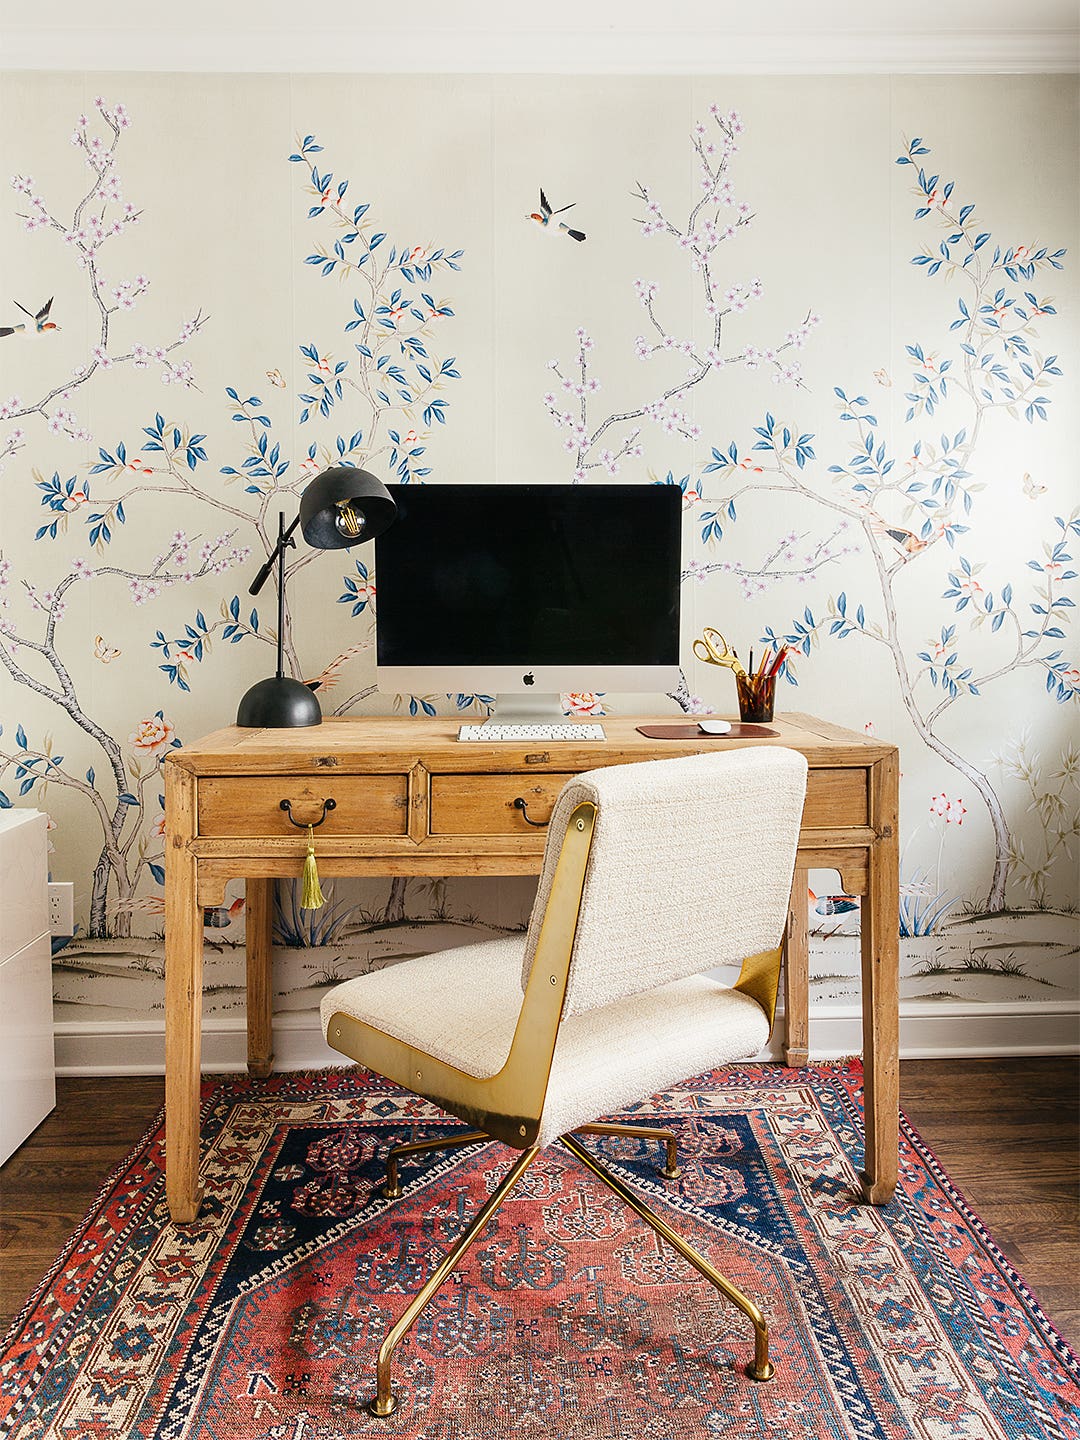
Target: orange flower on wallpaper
153, 736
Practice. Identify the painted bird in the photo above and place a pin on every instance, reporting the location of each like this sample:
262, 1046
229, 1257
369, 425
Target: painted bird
41, 319
219, 917
832, 904
329, 677
547, 214
906, 540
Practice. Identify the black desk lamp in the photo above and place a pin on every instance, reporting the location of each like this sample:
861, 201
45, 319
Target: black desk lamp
340, 507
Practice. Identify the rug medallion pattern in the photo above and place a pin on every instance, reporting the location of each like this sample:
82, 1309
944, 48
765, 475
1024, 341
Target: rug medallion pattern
568, 1319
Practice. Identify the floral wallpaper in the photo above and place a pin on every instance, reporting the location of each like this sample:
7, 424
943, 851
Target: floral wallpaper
840, 316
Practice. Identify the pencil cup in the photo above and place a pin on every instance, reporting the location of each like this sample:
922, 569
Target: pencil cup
755, 697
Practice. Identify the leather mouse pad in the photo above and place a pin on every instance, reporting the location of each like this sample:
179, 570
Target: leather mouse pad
738, 731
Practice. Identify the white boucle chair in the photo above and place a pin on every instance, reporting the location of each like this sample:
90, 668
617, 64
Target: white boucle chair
653, 874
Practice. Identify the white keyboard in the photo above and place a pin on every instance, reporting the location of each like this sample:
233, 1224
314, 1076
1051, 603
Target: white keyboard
527, 733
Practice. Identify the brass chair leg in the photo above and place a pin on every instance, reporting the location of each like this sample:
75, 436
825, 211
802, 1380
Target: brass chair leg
385, 1403
671, 1170
761, 1369
392, 1189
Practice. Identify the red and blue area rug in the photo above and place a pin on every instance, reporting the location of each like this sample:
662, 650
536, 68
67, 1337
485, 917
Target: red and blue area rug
569, 1319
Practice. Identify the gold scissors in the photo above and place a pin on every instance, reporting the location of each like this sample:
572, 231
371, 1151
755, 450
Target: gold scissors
714, 650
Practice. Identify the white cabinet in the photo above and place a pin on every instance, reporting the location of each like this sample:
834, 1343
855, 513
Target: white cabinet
27, 1068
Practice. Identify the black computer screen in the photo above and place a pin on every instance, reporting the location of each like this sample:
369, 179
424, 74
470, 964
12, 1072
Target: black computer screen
530, 574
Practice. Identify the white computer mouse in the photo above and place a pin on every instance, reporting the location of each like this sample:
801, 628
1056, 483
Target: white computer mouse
714, 727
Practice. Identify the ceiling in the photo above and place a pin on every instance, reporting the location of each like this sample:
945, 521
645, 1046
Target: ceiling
559, 36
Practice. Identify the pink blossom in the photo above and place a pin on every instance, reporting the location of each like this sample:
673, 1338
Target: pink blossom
154, 736
583, 703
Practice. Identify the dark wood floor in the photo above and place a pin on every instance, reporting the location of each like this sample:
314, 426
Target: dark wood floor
1006, 1131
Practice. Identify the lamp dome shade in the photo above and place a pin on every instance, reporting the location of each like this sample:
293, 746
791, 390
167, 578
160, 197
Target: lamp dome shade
344, 485
277, 703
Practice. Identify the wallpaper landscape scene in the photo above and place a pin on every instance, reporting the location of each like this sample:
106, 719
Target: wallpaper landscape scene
840, 316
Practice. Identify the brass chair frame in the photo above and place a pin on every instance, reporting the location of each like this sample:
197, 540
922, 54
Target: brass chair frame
508, 1106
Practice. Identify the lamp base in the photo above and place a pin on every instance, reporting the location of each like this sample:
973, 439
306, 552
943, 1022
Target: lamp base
277, 703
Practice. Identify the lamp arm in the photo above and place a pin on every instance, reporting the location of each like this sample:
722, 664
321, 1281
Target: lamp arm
283, 541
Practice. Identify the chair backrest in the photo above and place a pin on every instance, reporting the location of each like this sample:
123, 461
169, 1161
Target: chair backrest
690, 868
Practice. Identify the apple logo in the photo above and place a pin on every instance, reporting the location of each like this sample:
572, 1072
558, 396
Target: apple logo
529, 679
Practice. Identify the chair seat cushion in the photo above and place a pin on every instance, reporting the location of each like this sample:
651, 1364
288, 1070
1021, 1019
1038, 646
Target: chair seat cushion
462, 1005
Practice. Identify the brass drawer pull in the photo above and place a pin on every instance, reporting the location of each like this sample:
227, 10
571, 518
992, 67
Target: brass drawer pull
327, 805
522, 805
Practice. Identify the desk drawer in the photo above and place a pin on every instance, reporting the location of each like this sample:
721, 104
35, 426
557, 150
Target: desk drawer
836, 798
251, 805
484, 804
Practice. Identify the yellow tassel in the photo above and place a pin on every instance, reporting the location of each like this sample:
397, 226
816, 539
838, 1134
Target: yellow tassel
311, 896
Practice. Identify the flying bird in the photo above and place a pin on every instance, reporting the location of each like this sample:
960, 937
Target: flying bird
547, 214
41, 319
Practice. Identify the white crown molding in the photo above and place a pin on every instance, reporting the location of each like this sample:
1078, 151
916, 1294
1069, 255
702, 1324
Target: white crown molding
617, 49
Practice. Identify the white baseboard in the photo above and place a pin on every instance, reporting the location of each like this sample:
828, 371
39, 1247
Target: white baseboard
927, 1031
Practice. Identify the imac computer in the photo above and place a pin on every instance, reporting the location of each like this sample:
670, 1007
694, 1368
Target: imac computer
524, 592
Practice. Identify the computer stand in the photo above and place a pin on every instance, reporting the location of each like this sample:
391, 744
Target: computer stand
518, 708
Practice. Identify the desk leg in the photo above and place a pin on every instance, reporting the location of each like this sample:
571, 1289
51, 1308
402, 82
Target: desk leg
183, 1000
259, 916
797, 976
881, 990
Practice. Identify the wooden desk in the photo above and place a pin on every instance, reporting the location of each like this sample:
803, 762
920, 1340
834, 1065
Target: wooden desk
413, 800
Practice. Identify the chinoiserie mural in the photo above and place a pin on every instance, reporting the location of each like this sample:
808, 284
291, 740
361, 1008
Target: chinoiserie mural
845, 340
